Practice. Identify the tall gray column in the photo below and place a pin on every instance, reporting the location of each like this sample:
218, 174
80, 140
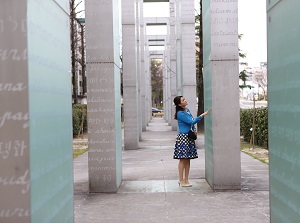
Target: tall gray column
167, 110
188, 60
221, 83
166, 84
178, 47
148, 89
104, 97
138, 4
130, 79
283, 109
36, 174
173, 61
142, 33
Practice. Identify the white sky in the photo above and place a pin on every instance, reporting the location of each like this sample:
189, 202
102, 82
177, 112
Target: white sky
252, 24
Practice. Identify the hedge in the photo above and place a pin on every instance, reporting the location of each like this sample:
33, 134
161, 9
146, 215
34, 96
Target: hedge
79, 110
261, 126
246, 119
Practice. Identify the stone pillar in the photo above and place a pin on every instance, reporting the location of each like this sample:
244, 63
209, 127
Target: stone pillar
104, 97
173, 61
221, 83
142, 69
283, 109
36, 174
130, 79
148, 90
165, 63
188, 61
138, 62
178, 47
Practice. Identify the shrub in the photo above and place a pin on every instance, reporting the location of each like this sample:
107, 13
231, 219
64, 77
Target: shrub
79, 110
261, 125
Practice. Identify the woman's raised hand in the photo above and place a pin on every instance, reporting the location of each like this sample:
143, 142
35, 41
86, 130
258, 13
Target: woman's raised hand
205, 113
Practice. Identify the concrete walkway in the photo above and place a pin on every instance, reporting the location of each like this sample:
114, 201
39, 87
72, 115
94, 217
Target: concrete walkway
150, 192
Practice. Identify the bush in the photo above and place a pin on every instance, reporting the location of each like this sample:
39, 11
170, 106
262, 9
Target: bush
261, 125
79, 110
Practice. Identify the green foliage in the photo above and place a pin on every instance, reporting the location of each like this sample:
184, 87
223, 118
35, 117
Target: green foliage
157, 82
241, 55
261, 125
79, 111
243, 76
78, 152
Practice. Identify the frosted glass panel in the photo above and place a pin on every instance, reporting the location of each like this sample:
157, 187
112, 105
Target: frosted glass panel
284, 109
51, 161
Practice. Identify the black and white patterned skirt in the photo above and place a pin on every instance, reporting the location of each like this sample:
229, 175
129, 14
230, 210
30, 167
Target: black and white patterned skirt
185, 148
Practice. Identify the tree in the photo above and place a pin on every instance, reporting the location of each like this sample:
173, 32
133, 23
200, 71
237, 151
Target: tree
262, 80
75, 52
199, 66
156, 82
81, 58
243, 74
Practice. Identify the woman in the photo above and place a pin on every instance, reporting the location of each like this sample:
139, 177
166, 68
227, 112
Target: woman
184, 147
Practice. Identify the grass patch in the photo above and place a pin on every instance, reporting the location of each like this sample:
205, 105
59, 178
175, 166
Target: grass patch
258, 153
78, 152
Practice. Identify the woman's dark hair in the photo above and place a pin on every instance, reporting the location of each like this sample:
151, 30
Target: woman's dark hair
177, 101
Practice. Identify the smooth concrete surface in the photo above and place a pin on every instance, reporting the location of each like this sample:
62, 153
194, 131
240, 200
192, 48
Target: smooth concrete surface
103, 96
150, 192
221, 94
131, 83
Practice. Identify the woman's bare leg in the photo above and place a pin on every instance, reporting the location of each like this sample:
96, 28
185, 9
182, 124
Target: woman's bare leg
187, 171
181, 166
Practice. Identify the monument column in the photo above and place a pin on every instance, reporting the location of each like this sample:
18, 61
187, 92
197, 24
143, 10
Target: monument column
173, 55
104, 96
166, 83
178, 46
221, 91
130, 78
148, 87
188, 60
138, 63
36, 162
144, 106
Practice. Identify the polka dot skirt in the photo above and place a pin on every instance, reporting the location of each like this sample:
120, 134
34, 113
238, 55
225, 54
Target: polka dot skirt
185, 148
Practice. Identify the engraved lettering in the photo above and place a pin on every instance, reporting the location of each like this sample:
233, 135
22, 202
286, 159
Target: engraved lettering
14, 24
13, 54
98, 168
99, 99
101, 110
19, 212
100, 159
104, 141
12, 181
5, 149
12, 87
9, 116
107, 177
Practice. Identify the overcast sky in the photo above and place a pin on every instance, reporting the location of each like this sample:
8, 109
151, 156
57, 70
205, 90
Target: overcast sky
252, 24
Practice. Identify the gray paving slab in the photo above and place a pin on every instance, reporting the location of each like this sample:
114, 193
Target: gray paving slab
150, 192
